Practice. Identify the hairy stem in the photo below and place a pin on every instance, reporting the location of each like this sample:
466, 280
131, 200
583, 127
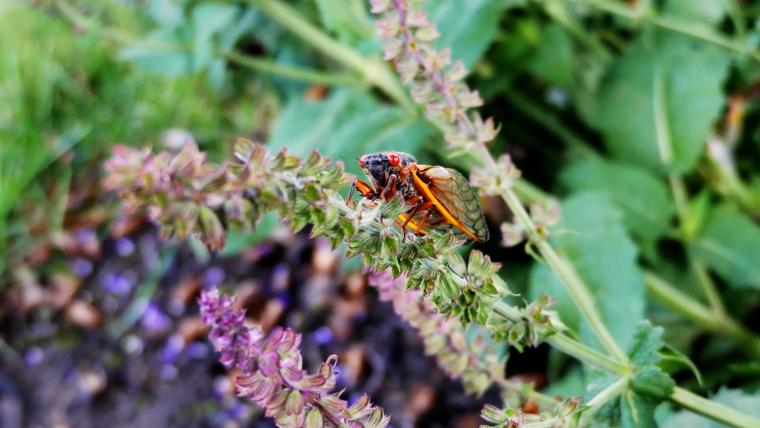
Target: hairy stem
682, 304
700, 271
712, 410
296, 73
374, 70
701, 32
570, 346
658, 289
607, 394
564, 270
254, 63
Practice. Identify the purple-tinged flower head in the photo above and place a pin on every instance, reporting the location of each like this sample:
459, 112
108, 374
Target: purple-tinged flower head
443, 338
237, 344
272, 375
435, 81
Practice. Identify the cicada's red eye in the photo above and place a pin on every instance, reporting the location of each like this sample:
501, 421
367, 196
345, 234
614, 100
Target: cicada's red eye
361, 164
393, 159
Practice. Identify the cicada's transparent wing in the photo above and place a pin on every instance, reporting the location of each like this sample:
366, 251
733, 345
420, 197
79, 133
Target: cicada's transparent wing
453, 198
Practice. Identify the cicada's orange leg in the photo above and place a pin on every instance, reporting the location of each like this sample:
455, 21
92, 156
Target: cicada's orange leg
425, 218
421, 205
365, 189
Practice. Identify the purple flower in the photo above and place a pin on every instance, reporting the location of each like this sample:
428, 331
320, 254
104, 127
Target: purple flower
272, 374
154, 321
33, 356
81, 267
119, 284
125, 247
322, 336
213, 277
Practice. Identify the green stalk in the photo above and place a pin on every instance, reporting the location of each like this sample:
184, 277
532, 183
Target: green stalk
727, 183
570, 346
679, 302
691, 309
712, 410
703, 277
680, 396
551, 123
374, 70
673, 24
297, 73
578, 290
658, 289
607, 394
257, 64
143, 294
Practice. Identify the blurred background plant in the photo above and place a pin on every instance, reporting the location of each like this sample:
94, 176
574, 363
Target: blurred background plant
639, 116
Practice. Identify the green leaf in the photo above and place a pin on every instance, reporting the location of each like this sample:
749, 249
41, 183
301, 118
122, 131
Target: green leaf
466, 26
346, 125
649, 380
748, 404
647, 341
654, 382
643, 199
167, 13
672, 356
636, 411
209, 19
696, 12
154, 58
553, 59
729, 243
658, 104
592, 236
347, 19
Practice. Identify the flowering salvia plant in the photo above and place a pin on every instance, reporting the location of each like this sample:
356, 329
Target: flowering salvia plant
271, 373
190, 197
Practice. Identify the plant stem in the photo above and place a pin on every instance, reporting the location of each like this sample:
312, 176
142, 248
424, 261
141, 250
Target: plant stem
712, 410
569, 346
727, 183
526, 390
703, 277
607, 394
680, 396
374, 70
550, 122
564, 270
659, 289
681, 303
581, 352
557, 10
257, 64
297, 73
702, 32
143, 294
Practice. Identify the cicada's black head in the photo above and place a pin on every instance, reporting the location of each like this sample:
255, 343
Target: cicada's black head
380, 166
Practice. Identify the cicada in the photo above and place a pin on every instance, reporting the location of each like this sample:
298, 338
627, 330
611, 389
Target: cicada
436, 197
